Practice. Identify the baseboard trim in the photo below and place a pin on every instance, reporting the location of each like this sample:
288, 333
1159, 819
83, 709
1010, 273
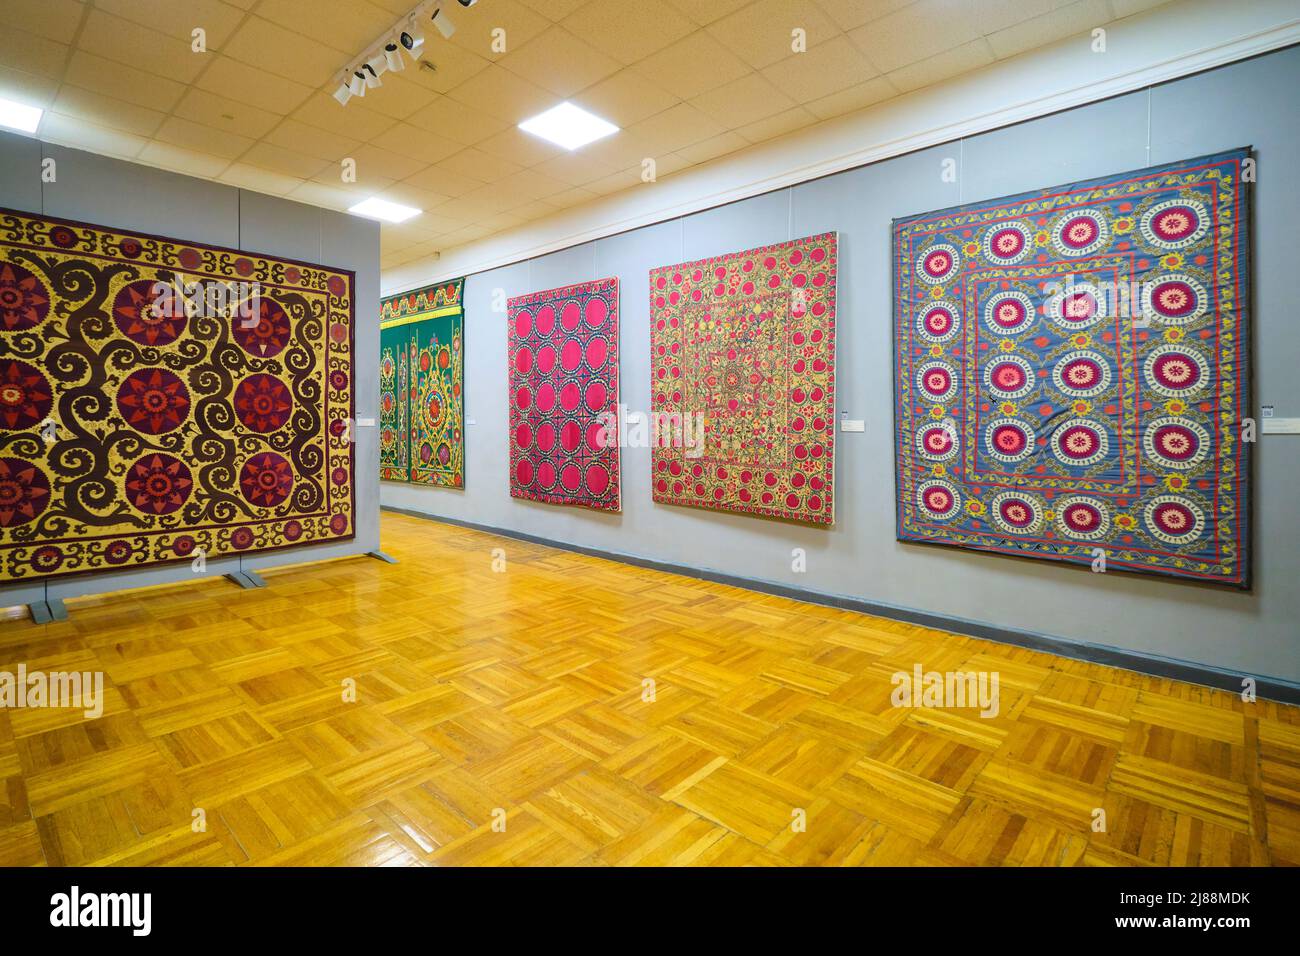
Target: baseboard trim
1267, 688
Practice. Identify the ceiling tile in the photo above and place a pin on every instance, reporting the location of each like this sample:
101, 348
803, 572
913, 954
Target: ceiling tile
571, 197
474, 27
115, 114
77, 133
397, 98
625, 98
444, 67
778, 125
275, 49
346, 25
917, 32
179, 20
287, 161
220, 143
762, 33
995, 15
677, 127
575, 169
705, 12
848, 14
1077, 19
825, 69
27, 88
696, 64
291, 134
125, 42
123, 82
473, 163
51, 19
32, 54
212, 110
456, 121
515, 145
258, 179
179, 160
375, 162
712, 148
627, 30
363, 188
323, 111
245, 84
746, 100
854, 98
935, 69
554, 9
415, 143
443, 181
502, 94
537, 62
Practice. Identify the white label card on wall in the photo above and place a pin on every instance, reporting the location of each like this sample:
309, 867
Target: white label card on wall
852, 425
1281, 426
365, 423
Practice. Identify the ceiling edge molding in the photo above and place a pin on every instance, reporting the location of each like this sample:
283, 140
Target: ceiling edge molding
1171, 41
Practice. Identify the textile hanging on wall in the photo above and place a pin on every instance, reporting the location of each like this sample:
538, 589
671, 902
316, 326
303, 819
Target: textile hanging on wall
563, 388
421, 386
161, 398
743, 381
1071, 371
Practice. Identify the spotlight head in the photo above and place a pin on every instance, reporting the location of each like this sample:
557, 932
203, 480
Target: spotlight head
467, 3
412, 40
357, 84
393, 57
371, 76
443, 24
343, 94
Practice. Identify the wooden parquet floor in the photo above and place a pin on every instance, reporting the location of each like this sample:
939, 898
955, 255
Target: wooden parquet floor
501, 718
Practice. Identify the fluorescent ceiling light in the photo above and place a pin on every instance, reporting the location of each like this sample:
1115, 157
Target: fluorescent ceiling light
383, 209
17, 116
568, 126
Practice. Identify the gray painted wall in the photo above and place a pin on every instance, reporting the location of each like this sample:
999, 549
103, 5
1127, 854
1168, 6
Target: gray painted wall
121, 195
1249, 103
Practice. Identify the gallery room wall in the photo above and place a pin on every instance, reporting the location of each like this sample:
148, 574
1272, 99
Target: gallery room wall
1252, 632
108, 192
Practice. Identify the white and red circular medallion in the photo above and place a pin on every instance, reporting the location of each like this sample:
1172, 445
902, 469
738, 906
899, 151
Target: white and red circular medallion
936, 381
939, 500
1080, 232
938, 263
1009, 376
1174, 299
937, 441
1174, 520
1081, 374
1009, 313
1175, 371
1082, 518
1175, 223
1079, 442
1007, 243
1016, 512
1176, 443
938, 322
1077, 306
1009, 440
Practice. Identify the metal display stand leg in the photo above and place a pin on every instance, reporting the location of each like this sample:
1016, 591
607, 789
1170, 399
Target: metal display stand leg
381, 556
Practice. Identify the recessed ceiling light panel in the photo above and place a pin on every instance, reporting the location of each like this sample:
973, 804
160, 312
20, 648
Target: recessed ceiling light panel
568, 126
17, 116
383, 209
